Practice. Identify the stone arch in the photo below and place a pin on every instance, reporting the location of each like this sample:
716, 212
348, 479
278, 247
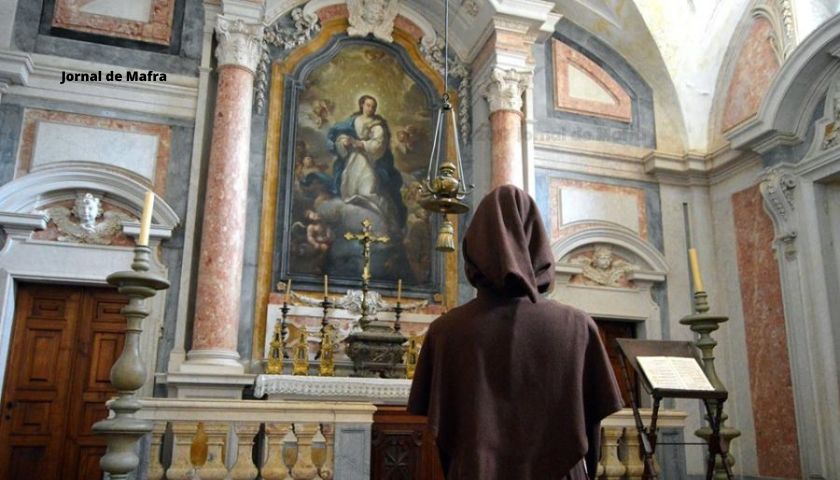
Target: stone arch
24, 259
641, 264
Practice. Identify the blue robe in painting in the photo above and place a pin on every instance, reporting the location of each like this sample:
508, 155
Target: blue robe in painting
389, 181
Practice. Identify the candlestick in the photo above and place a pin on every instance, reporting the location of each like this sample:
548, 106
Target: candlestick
326, 286
399, 290
146, 219
288, 290
695, 270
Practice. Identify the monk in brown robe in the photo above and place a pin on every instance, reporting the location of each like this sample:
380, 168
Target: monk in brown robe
514, 385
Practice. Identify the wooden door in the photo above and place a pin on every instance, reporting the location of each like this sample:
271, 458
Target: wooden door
610, 330
64, 341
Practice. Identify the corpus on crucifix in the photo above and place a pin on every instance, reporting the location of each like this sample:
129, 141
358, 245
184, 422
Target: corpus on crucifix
366, 238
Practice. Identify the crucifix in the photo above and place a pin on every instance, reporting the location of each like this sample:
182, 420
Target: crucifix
366, 238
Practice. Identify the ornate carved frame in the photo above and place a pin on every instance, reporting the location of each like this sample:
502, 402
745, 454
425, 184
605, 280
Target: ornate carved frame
280, 70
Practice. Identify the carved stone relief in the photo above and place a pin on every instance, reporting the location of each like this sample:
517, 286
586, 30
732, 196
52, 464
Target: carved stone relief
777, 189
505, 88
239, 43
85, 221
602, 267
432, 48
372, 16
296, 30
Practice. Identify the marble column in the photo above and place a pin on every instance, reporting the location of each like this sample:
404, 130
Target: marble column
504, 95
219, 283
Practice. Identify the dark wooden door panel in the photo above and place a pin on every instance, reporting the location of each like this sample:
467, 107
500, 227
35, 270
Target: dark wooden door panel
610, 330
35, 396
100, 342
64, 341
402, 447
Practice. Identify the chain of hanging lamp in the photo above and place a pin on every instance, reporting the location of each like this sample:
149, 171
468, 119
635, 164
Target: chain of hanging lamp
444, 193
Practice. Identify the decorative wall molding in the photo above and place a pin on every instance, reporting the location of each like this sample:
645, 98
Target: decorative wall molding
118, 20
505, 88
780, 15
372, 17
280, 35
432, 48
375, 390
240, 43
617, 105
777, 189
39, 76
30, 192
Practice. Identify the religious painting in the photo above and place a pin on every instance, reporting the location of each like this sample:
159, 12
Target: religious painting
359, 148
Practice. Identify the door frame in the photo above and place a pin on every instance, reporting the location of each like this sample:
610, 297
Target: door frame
41, 261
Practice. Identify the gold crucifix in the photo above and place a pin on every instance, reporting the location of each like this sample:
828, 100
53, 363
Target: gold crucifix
366, 238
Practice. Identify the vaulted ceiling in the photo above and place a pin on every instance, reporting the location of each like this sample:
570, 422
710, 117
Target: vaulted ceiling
677, 46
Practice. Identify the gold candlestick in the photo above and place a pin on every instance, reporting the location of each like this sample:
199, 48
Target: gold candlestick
326, 366
300, 363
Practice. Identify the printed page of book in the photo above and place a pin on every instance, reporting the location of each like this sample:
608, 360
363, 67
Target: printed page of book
674, 373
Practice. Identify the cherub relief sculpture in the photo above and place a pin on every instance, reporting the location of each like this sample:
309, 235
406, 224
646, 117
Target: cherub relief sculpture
603, 268
80, 225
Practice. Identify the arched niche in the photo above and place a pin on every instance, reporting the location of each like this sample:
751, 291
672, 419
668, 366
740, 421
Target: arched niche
609, 272
23, 258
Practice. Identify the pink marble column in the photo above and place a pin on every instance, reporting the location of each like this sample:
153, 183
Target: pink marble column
216, 321
506, 150
504, 96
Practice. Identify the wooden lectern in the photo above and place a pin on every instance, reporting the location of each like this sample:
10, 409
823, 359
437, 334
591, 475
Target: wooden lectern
713, 399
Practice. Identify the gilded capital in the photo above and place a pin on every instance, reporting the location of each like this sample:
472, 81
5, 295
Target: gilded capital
505, 88
240, 43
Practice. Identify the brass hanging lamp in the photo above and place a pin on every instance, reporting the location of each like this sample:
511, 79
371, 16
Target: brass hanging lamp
444, 192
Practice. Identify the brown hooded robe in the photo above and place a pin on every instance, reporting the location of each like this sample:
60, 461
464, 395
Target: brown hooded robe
514, 385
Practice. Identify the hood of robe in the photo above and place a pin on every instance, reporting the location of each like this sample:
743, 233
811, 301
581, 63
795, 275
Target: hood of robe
506, 248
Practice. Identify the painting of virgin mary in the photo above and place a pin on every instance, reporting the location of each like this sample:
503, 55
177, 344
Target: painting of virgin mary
360, 151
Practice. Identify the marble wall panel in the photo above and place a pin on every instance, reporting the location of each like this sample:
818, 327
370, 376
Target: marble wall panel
767, 353
143, 20
755, 67
578, 200
637, 130
50, 137
582, 86
180, 54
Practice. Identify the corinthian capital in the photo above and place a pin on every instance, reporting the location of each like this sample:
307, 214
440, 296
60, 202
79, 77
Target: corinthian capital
504, 89
240, 43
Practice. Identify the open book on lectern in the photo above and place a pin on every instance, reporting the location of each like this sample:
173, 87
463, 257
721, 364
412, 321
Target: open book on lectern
674, 373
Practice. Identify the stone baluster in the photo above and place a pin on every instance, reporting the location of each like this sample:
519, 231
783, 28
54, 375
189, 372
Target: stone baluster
182, 435
328, 431
304, 468
274, 469
156, 470
244, 468
214, 468
632, 454
613, 468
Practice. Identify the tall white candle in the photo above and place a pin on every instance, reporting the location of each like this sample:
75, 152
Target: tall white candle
146, 219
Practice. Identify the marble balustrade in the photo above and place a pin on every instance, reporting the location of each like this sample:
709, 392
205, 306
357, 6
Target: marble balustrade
620, 446
216, 439
213, 439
